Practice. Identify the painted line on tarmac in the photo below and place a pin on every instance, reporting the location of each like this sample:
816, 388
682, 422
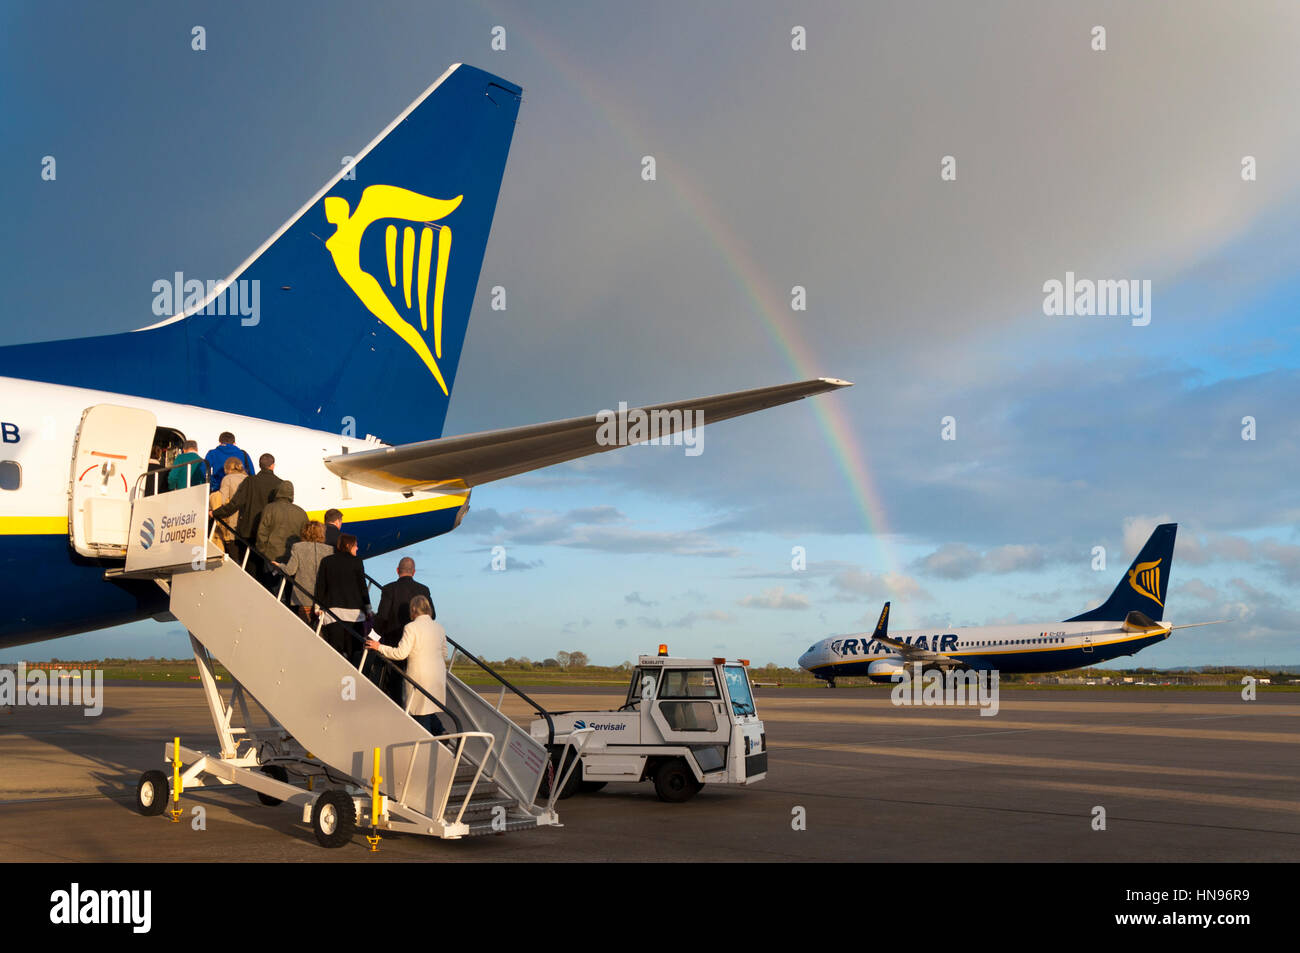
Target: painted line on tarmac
1035, 812
1029, 761
1120, 708
1235, 801
973, 720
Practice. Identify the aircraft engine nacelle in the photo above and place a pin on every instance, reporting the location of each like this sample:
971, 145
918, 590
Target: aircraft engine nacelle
885, 669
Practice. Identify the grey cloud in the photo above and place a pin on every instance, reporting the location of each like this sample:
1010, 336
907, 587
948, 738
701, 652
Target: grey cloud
775, 598
591, 528
854, 583
515, 565
959, 561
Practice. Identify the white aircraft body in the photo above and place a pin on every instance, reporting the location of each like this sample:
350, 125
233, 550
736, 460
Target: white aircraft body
1126, 623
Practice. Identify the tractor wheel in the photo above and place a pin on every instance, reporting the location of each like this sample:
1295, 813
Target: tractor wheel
675, 783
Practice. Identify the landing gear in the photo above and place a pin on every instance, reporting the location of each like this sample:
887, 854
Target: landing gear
151, 793
333, 818
830, 683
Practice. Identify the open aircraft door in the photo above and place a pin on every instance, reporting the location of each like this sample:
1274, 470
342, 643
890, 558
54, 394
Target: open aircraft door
111, 451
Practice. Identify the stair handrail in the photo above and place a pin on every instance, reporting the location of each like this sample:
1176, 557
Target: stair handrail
550, 724
164, 472
250, 548
461, 737
560, 781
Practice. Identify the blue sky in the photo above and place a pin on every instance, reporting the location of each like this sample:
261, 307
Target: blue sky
776, 168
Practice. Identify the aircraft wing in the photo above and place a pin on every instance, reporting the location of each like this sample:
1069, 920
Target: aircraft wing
468, 460
909, 652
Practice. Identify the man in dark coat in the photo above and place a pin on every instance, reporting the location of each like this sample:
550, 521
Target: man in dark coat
393, 615
282, 522
341, 587
333, 526
251, 498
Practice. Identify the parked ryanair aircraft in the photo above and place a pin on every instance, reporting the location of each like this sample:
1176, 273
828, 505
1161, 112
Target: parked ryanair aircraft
360, 306
1124, 624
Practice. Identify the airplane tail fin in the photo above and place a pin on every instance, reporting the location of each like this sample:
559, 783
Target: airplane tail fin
1144, 586
882, 624
354, 313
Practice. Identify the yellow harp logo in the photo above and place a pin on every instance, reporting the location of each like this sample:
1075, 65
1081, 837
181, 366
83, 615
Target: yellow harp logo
1145, 579
388, 201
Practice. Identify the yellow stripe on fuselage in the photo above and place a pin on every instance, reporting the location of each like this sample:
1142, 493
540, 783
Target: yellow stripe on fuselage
58, 525
34, 525
364, 514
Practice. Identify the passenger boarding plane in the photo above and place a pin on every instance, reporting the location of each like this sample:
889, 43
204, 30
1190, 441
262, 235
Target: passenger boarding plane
343, 372
1124, 624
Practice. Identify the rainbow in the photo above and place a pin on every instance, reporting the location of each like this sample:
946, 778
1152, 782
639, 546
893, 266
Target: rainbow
769, 304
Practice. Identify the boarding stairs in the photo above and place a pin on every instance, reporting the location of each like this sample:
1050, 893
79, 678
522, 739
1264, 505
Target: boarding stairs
331, 727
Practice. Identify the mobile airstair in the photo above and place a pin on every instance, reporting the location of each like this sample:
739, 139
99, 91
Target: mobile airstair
337, 746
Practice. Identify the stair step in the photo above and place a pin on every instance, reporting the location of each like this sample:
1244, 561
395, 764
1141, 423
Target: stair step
484, 788
513, 823
477, 807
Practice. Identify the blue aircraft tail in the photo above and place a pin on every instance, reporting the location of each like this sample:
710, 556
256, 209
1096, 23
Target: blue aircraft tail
882, 624
1144, 586
351, 318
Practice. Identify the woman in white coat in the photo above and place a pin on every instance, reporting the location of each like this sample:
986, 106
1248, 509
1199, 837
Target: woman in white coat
424, 646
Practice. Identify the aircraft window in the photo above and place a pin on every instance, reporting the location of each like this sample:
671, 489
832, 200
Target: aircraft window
11, 475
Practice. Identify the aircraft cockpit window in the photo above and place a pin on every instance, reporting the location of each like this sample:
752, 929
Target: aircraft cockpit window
11, 475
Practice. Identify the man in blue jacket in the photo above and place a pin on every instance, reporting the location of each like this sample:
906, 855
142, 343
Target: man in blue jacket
218, 455
177, 479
